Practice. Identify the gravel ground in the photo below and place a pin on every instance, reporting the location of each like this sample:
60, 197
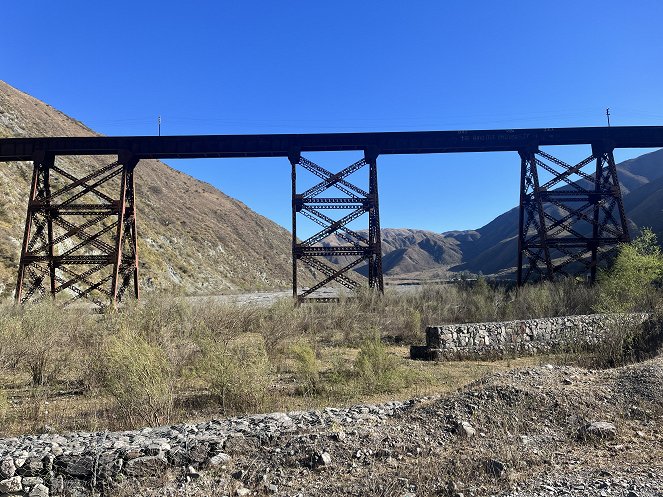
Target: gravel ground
543, 431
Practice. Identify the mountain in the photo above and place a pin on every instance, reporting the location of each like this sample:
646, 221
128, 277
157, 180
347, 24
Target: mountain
192, 237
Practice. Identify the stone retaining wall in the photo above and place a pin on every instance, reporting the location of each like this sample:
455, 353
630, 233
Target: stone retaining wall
513, 338
85, 464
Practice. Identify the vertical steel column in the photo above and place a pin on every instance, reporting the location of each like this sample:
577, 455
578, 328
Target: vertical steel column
607, 195
294, 157
534, 246
38, 203
375, 277
595, 199
125, 264
617, 191
521, 221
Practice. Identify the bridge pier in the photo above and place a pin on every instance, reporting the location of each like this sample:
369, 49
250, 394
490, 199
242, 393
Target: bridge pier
358, 247
78, 238
572, 223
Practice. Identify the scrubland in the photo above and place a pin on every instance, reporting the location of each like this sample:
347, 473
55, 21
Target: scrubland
171, 359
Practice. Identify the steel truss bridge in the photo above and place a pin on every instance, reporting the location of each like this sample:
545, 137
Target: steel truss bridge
80, 232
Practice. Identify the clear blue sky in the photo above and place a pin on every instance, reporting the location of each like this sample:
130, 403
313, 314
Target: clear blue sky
212, 67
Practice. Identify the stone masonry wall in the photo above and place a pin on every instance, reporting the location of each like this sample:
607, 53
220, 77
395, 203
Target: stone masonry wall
526, 337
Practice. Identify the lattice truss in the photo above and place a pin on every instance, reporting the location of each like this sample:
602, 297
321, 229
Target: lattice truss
573, 222
355, 248
80, 234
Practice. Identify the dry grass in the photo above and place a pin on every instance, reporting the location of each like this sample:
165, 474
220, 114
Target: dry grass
170, 360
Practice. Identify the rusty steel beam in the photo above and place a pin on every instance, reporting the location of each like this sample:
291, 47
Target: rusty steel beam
281, 145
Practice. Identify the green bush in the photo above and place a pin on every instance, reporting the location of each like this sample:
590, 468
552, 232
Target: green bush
139, 377
629, 285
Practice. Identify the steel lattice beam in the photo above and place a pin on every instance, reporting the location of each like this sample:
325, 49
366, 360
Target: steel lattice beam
78, 239
360, 248
574, 228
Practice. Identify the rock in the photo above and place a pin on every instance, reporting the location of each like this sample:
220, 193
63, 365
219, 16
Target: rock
32, 467
77, 466
57, 485
10, 485
241, 492
325, 458
598, 430
199, 452
31, 481
494, 467
7, 468
339, 435
146, 466
219, 459
191, 473
466, 430
39, 490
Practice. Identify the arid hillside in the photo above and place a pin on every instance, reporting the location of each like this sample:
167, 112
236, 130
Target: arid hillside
193, 238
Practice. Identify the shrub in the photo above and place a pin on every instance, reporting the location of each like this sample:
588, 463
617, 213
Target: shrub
138, 375
43, 338
306, 368
629, 284
376, 369
4, 404
237, 371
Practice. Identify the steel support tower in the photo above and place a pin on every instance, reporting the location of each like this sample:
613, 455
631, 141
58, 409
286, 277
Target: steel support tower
574, 221
355, 247
80, 233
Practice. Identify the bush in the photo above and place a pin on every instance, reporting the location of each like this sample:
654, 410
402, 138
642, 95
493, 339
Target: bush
4, 404
377, 370
42, 338
629, 285
237, 371
139, 377
306, 368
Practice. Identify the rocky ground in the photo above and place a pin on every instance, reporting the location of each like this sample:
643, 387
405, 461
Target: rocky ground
543, 431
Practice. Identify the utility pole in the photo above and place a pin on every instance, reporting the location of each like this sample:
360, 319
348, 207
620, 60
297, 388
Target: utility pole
607, 114
159, 125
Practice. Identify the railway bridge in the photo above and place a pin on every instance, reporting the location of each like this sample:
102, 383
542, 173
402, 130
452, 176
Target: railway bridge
81, 238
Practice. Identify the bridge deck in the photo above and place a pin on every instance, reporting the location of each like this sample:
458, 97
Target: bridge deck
280, 145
